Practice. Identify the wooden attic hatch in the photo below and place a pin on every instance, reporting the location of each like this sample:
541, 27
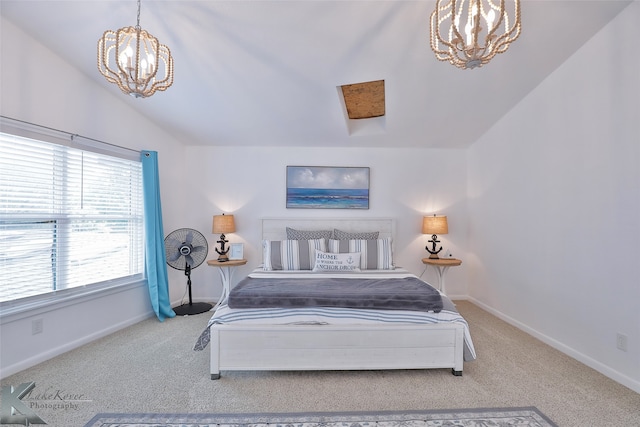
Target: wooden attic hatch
364, 100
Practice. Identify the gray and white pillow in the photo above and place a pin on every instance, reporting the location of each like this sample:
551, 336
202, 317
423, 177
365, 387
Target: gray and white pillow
362, 235
374, 254
291, 254
337, 263
293, 234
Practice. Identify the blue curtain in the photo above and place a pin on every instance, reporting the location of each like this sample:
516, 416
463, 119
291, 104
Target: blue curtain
155, 257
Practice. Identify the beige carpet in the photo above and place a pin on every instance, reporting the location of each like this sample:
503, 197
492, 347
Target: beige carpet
150, 368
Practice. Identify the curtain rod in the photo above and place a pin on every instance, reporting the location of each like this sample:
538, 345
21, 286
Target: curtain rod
71, 135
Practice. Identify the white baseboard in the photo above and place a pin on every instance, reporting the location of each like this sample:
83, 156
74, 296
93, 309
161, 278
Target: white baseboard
582, 358
57, 351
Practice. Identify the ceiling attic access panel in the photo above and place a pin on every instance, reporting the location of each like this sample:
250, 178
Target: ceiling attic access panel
364, 107
364, 100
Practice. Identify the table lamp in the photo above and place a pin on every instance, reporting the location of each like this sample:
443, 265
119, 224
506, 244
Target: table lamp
223, 224
434, 225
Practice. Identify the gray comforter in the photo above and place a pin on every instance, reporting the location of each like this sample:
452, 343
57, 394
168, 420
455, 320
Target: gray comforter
405, 293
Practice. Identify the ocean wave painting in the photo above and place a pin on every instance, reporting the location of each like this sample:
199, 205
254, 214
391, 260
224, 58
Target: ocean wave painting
324, 187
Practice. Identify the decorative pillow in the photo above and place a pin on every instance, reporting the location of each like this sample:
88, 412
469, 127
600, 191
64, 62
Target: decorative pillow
293, 234
374, 254
337, 262
363, 235
291, 254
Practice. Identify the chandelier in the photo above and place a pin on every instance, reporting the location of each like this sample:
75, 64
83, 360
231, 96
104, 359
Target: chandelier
135, 61
469, 33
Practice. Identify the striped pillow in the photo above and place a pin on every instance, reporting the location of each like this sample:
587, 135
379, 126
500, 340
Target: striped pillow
291, 254
374, 254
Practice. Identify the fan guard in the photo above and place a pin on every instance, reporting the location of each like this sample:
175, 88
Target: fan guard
186, 249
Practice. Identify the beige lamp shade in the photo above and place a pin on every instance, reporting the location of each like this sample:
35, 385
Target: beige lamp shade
223, 224
435, 225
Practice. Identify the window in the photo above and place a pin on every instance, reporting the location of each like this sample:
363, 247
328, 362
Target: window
69, 218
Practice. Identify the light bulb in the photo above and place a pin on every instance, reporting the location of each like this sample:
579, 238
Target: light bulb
491, 16
122, 59
467, 30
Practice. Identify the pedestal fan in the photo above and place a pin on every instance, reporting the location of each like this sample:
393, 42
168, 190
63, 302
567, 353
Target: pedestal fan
186, 249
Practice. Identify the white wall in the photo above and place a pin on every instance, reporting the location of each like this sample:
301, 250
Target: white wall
38, 87
554, 206
251, 184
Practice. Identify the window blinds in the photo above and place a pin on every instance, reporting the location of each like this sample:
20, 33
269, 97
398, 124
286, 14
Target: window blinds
68, 217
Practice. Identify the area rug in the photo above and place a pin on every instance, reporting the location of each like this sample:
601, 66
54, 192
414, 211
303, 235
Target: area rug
484, 417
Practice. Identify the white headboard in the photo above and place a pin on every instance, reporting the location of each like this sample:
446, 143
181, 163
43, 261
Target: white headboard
275, 228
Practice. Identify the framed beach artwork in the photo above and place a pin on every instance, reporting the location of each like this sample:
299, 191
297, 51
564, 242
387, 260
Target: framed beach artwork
327, 187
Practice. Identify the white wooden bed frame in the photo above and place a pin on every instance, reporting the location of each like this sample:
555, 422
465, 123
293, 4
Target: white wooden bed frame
334, 347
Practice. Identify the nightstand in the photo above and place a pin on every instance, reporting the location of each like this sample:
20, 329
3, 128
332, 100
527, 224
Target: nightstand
441, 265
226, 273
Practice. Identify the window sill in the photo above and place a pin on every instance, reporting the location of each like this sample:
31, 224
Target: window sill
11, 311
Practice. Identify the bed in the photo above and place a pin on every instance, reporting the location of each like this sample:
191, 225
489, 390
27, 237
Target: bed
263, 333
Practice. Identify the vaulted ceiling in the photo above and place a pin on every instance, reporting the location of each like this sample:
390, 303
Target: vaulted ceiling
268, 72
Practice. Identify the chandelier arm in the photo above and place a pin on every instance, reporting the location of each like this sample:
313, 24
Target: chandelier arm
516, 26
455, 27
103, 55
491, 31
168, 66
508, 37
441, 55
437, 20
457, 43
502, 42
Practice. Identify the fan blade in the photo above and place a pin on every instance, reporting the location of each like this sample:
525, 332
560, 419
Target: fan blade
198, 249
189, 237
189, 260
172, 243
174, 257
